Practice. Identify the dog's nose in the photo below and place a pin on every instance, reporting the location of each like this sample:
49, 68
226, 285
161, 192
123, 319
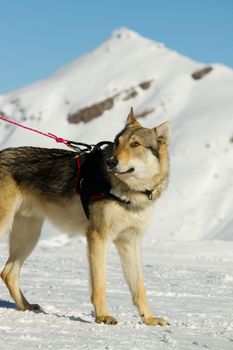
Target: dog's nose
112, 162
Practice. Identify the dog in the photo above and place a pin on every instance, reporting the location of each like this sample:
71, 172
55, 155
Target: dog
38, 183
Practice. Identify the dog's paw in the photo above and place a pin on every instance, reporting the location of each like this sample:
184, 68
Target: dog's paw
106, 319
34, 308
155, 321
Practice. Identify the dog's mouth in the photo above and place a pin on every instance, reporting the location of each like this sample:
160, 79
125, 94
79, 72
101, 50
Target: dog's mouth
129, 171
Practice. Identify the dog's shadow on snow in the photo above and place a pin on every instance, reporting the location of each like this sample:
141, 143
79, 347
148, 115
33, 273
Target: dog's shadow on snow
71, 318
7, 304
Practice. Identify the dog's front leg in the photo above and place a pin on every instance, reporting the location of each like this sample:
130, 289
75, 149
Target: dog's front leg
97, 246
130, 253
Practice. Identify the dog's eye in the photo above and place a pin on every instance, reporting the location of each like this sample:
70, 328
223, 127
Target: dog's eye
134, 144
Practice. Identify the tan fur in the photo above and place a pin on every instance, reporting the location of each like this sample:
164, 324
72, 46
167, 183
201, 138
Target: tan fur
9, 202
124, 155
22, 211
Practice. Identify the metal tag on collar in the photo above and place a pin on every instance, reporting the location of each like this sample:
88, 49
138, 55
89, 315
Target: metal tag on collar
149, 194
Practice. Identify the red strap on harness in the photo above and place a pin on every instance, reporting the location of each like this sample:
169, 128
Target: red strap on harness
94, 197
98, 196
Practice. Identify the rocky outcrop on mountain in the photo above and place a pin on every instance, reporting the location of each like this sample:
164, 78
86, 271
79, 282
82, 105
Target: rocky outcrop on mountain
145, 112
199, 74
88, 113
91, 112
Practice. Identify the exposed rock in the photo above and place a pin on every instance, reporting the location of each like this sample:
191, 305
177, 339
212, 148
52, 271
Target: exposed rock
16, 101
145, 112
199, 74
91, 112
145, 85
130, 94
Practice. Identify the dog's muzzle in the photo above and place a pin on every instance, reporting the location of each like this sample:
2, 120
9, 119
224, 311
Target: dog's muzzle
112, 162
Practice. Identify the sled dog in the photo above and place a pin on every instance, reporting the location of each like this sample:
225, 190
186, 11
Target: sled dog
108, 198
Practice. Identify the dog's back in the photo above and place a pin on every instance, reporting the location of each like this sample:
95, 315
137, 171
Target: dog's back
50, 172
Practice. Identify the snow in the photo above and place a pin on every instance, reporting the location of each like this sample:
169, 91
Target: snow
187, 253
190, 284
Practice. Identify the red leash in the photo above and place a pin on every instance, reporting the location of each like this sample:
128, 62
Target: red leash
51, 136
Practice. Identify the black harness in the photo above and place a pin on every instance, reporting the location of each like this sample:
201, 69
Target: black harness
91, 182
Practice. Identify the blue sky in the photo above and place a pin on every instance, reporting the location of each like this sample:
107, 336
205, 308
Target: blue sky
39, 36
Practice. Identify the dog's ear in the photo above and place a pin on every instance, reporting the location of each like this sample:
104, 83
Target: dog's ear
163, 132
131, 121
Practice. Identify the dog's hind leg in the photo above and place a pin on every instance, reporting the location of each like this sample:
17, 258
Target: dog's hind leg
130, 253
23, 238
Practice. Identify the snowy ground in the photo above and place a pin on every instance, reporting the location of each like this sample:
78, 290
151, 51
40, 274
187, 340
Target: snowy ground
191, 284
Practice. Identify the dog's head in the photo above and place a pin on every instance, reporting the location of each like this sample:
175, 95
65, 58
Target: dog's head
136, 150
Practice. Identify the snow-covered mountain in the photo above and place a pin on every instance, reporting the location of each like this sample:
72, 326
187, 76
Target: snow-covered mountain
89, 99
